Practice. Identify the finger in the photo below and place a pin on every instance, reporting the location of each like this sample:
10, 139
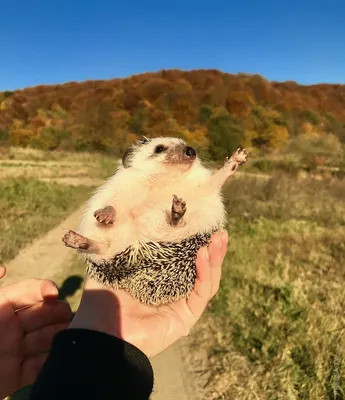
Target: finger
31, 368
44, 314
203, 274
203, 286
2, 271
29, 292
39, 341
217, 255
9, 363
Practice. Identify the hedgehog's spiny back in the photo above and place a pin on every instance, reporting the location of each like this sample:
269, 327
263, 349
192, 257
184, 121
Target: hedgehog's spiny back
159, 273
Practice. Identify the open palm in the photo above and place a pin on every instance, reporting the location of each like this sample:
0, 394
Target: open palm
152, 329
30, 316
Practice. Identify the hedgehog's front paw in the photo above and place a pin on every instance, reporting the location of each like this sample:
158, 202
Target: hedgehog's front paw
74, 240
178, 210
240, 156
105, 215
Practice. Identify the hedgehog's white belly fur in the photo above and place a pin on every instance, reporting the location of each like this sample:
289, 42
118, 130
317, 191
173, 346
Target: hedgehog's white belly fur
202, 214
144, 218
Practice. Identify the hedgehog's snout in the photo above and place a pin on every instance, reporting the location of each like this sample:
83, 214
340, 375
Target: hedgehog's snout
189, 153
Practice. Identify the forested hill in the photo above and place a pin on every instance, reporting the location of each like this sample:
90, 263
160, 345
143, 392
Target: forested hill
208, 107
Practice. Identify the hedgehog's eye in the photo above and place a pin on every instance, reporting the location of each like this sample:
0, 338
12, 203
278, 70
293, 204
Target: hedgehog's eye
160, 148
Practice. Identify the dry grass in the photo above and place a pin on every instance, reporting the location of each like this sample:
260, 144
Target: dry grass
33, 164
29, 154
276, 329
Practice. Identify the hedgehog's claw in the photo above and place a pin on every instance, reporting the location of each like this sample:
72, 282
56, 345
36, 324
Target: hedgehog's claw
240, 156
105, 215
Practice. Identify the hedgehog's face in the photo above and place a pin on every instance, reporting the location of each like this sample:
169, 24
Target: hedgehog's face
160, 153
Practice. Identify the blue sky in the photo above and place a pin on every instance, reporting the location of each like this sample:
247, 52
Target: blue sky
45, 42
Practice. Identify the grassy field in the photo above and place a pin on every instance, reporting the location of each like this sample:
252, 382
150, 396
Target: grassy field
53, 165
39, 189
276, 328
30, 208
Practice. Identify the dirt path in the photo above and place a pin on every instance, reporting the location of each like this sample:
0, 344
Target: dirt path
46, 257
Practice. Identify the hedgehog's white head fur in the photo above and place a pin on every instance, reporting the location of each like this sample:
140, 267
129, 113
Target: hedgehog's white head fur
161, 154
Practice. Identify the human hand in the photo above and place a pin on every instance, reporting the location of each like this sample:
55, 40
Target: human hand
30, 316
152, 329
2, 271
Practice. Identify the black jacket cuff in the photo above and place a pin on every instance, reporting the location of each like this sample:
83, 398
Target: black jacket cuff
87, 364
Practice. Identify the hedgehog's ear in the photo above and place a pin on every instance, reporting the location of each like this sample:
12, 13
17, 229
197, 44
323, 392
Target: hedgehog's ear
144, 140
127, 157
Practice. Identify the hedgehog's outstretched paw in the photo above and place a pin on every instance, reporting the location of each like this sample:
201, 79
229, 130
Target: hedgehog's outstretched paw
240, 156
76, 241
105, 216
178, 210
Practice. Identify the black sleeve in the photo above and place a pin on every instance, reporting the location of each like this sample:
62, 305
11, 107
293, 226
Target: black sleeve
85, 364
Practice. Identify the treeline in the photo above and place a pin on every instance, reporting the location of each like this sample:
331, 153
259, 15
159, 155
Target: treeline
209, 108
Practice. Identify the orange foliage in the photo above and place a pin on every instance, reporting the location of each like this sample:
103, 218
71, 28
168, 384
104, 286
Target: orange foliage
169, 102
307, 128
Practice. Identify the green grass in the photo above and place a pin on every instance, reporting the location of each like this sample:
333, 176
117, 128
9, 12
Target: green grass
30, 208
276, 328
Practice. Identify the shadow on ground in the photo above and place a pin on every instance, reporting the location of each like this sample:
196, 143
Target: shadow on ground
69, 286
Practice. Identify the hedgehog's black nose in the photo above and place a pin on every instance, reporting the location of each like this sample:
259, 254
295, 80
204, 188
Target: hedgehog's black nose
190, 152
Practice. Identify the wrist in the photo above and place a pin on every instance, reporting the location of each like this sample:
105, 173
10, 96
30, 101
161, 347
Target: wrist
100, 310
97, 310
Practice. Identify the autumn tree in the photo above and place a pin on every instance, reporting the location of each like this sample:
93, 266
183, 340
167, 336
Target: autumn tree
136, 123
205, 112
4, 136
224, 134
95, 126
268, 127
209, 107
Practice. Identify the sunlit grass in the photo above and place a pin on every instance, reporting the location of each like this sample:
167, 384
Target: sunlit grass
276, 328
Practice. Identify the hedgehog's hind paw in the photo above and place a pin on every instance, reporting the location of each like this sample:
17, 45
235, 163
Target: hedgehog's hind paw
75, 241
178, 210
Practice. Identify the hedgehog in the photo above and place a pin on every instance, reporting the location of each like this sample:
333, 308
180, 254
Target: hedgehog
142, 229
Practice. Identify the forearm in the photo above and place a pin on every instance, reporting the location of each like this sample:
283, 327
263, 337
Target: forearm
230, 166
88, 364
